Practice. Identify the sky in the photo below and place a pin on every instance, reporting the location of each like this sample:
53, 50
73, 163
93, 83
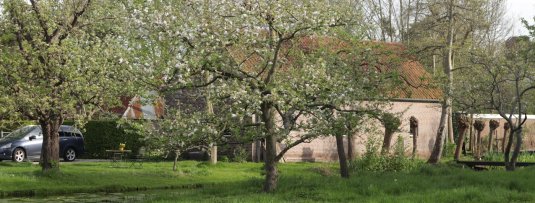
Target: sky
517, 9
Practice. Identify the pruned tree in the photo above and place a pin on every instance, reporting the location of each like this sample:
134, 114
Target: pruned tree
340, 124
463, 123
493, 125
391, 123
479, 125
58, 60
413, 123
505, 132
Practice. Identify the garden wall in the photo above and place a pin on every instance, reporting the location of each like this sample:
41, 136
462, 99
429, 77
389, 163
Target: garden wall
528, 143
324, 149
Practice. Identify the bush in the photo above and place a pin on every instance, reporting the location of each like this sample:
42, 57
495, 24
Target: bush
224, 159
449, 150
102, 135
373, 161
240, 155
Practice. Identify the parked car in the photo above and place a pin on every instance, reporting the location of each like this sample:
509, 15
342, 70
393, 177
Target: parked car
26, 142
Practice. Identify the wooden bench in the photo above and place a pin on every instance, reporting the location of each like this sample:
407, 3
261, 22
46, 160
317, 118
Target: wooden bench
475, 164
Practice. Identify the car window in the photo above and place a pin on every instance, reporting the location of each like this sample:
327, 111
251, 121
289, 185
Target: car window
19, 133
65, 134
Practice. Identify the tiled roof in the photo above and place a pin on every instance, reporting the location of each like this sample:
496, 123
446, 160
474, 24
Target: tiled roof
418, 82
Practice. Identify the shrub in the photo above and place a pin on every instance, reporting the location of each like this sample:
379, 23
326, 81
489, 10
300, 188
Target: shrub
449, 150
240, 155
224, 159
102, 135
373, 161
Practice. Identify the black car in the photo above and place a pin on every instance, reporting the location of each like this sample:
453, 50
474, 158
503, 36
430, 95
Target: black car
26, 142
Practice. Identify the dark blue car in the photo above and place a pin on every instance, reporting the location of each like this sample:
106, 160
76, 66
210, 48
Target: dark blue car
26, 142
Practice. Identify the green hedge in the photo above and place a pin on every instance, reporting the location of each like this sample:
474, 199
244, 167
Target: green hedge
102, 135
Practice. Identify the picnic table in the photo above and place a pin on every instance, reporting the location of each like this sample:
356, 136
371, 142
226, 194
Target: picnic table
118, 158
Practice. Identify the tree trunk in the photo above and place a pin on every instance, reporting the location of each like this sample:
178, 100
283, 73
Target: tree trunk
175, 162
479, 126
210, 111
258, 151
449, 70
350, 146
510, 165
451, 139
460, 141
344, 170
271, 165
270, 162
463, 125
49, 160
387, 141
478, 145
436, 154
493, 124
505, 131
489, 145
213, 154
516, 151
471, 145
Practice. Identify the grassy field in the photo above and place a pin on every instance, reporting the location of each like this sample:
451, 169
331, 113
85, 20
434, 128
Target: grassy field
299, 182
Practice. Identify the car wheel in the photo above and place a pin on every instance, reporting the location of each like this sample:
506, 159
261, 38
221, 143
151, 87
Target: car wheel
70, 155
19, 155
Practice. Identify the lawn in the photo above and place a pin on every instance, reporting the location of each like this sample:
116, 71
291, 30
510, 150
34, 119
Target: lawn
299, 182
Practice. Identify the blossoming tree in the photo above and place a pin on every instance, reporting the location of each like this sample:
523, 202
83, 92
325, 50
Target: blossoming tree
59, 59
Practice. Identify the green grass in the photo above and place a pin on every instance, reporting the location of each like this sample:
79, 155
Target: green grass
299, 182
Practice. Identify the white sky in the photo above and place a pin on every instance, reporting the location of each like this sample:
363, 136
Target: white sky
517, 9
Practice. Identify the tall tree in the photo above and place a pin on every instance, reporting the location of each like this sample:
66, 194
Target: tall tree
449, 29
59, 59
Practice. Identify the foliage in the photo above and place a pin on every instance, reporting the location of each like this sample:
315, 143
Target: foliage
250, 55
449, 150
503, 83
240, 155
182, 133
59, 60
102, 135
390, 121
372, 160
